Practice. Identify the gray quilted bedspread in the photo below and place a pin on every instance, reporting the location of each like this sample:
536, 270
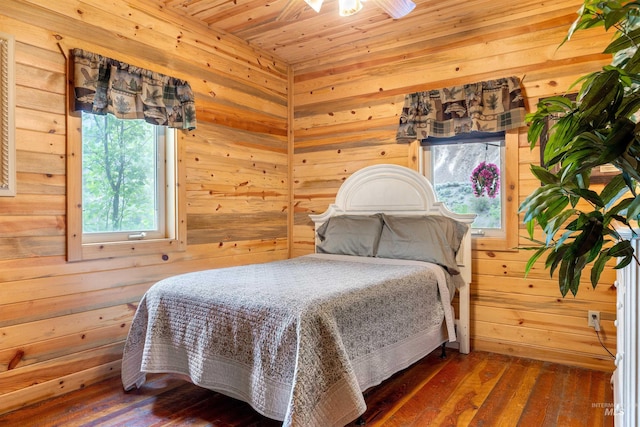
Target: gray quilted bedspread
297, 339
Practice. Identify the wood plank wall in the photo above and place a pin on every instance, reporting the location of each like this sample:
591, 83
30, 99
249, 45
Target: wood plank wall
346, 112
62, 325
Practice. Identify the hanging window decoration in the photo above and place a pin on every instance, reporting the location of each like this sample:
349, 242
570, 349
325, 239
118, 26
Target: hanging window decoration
486, 178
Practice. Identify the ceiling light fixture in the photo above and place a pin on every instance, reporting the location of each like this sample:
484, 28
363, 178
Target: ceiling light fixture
349, 7
394, 8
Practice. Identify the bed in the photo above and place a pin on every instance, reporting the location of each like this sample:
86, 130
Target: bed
301, 339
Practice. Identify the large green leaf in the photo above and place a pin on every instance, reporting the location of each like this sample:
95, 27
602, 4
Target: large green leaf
623, 262
561, 132
563, 238
630, 104
590, 196
629, 181
595, 250
634, 209
614, 13
532, 260
598, 267
613, 190
564, 278
621, 249
554, 258
586, 19
556, 207
602, 91
576, 273
544, 175
531, 225
539, 200
631, 39
620, 207
591, 234
622, 135
554, 224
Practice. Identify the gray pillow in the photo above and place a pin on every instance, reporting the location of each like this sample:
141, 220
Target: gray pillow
453, 230
350, 235
422, 238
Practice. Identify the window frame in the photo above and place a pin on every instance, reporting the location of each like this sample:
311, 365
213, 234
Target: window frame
427, 156
164, 138
175, 216
509, 240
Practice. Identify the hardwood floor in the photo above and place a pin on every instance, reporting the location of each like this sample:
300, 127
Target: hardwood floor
478, 389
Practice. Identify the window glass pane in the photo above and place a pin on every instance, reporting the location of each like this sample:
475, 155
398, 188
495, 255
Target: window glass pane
452, 166
119, 175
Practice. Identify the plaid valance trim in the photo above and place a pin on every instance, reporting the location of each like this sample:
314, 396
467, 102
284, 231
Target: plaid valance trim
489, 106
103, 85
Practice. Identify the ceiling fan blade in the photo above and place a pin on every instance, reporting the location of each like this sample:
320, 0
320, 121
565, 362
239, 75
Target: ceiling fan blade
315, 4
396, 8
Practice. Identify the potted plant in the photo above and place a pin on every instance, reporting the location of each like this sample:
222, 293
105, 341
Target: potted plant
579, 224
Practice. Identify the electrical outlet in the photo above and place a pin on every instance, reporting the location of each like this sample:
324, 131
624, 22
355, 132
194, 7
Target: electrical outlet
593, 319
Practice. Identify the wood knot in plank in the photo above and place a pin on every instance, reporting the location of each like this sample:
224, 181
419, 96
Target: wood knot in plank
15, 360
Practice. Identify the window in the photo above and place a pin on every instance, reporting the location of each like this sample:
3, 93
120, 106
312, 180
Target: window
128, 198
123, 179
449, 163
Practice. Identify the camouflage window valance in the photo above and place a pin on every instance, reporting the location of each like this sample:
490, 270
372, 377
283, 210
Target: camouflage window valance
490, 106
103, 85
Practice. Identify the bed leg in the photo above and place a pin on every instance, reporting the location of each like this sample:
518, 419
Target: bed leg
443, 355
360, 421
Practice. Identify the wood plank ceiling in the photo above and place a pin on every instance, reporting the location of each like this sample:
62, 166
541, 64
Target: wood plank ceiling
293, 31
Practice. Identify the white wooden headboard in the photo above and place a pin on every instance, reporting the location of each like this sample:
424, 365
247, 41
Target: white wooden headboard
399, 190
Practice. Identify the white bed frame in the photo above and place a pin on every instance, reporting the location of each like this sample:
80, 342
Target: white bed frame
399, 190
